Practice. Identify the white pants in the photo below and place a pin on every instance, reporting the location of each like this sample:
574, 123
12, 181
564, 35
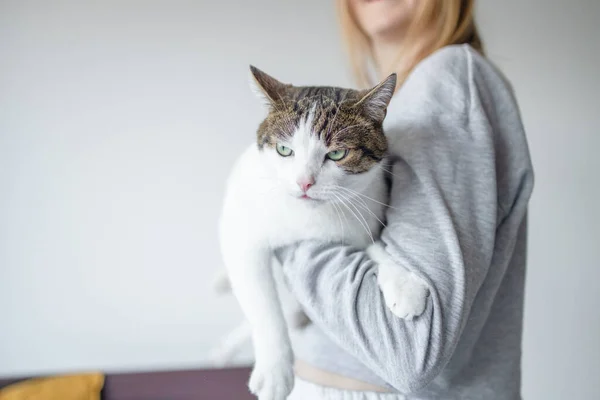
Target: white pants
304, 390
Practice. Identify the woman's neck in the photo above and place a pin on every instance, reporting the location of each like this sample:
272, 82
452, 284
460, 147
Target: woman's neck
386, 54
391, 53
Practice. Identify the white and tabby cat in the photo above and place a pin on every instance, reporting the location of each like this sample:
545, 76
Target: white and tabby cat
314, 173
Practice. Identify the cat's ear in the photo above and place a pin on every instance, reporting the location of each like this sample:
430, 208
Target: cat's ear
375, 101
267, 87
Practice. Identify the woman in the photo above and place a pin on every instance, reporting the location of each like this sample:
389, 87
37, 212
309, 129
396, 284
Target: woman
461, 183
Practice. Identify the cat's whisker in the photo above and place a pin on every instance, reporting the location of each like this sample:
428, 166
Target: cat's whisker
349, 200
365, 196
388, 171
354, 196
365, 207
339, 214
366, 227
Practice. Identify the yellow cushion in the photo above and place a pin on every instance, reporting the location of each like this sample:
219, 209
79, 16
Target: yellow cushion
68, 387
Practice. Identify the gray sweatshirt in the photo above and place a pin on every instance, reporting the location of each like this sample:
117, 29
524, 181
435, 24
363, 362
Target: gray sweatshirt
458, 218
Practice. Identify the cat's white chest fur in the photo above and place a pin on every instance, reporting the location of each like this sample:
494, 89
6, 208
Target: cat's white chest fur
257, 209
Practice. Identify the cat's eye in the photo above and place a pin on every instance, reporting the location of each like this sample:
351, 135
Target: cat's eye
337, 155
283, 151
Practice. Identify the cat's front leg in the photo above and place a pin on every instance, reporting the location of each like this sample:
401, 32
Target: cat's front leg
405, 294
253, 285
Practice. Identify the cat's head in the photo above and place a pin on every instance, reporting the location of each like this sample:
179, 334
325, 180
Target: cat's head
321, 139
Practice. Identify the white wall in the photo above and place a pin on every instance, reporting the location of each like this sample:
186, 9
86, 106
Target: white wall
550, 49
118, 122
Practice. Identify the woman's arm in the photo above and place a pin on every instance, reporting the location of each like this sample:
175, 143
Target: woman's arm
461, 175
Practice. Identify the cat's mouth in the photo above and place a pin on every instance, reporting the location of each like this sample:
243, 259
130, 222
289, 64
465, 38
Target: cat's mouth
308, 198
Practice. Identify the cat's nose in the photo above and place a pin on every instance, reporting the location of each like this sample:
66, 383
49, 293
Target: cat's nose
305, 183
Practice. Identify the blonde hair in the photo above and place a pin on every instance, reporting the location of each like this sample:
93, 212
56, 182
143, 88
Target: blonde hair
437, 23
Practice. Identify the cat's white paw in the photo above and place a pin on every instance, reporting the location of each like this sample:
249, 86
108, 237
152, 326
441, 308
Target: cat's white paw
273, 381
377, 253
405, 294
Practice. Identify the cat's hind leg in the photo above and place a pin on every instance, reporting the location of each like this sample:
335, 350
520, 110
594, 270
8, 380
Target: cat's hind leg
252, 282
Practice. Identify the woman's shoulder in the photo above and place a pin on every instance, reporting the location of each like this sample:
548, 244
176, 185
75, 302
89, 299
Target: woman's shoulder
455, 84
451, 57
460, 65
452, 79
455, 58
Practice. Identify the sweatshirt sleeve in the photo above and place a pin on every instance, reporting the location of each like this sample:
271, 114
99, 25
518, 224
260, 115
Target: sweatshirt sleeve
448, 199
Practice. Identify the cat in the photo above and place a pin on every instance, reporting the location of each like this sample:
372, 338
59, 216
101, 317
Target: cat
314, 173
